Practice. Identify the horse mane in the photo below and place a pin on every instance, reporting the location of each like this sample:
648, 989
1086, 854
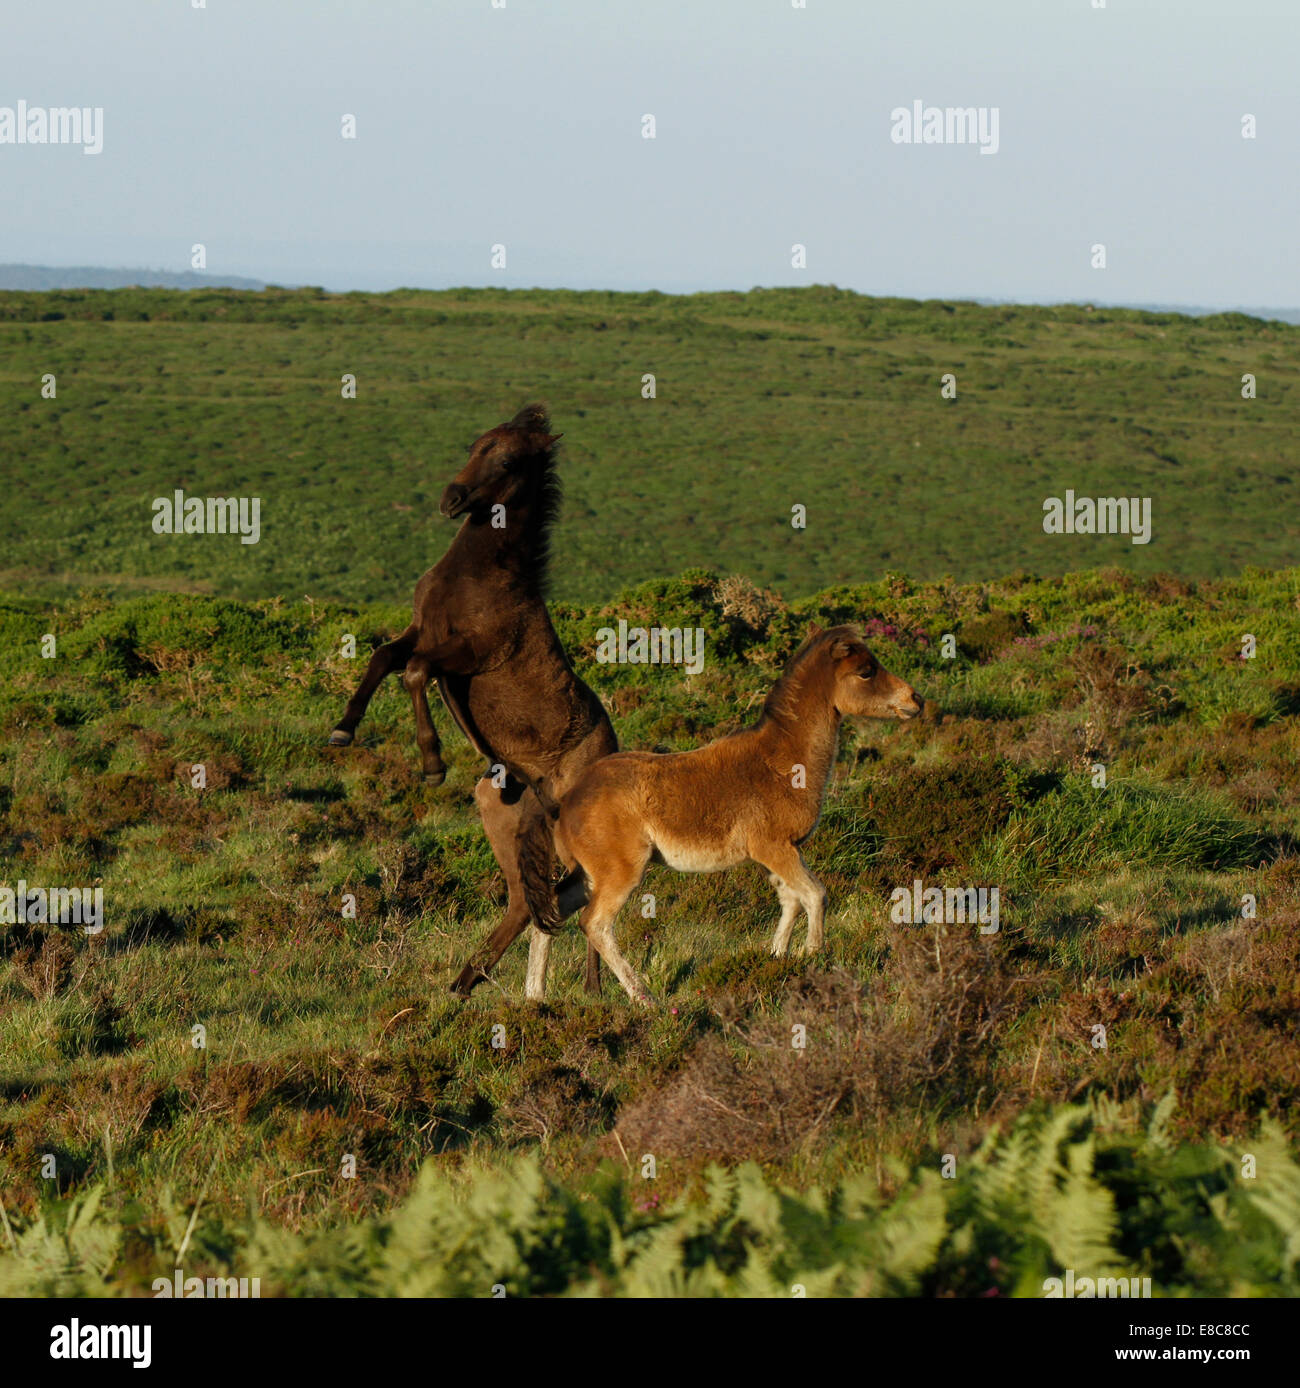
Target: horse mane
544, 508
542, 517
783, 698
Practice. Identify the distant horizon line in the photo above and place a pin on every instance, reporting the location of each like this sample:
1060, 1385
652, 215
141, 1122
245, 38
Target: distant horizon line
256, 284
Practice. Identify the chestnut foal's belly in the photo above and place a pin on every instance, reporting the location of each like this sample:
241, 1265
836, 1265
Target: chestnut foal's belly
684, 855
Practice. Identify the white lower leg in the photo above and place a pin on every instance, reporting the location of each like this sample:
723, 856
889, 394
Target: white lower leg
815, 905
539, 955
602, 936
789, 913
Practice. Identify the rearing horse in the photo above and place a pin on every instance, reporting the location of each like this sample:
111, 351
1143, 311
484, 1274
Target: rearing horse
482, 631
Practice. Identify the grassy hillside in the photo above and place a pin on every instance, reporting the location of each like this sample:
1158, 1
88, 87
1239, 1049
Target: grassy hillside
766, 400
328, 1036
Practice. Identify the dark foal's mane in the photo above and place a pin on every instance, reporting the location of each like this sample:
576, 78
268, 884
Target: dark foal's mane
543, 508
542, 515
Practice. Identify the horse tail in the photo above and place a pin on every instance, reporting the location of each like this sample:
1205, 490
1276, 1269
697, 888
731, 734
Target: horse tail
549, 905
536, 854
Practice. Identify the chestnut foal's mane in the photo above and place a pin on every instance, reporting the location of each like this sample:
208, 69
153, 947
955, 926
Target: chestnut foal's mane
784, 700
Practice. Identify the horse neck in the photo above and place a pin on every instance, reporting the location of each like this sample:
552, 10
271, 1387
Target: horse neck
805, 730
514, 554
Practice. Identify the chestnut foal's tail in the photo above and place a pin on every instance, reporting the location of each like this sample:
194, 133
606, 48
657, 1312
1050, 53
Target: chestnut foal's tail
549, 905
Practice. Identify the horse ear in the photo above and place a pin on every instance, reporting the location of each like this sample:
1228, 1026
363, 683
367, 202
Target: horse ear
840, 649
813, 630
536, 419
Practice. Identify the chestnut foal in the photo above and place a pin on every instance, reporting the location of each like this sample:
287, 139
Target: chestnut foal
755, 795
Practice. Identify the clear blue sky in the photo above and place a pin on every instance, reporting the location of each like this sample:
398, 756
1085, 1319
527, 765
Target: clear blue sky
523, 126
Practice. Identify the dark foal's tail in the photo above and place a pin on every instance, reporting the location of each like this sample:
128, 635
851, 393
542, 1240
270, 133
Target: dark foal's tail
549, 905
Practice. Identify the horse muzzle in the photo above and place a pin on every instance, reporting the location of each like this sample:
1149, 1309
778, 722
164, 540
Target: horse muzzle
455, 500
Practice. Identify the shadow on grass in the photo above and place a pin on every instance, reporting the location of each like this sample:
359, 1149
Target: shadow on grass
1223, 910
316, 795
151, 925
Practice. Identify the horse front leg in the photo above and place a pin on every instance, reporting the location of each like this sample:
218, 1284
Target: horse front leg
416, 680
382, 663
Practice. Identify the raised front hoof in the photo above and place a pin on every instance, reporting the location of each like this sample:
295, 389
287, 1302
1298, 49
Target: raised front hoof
340, 737
435, 777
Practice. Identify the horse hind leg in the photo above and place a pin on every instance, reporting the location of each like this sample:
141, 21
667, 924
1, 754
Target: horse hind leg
570, 895
591, 981
539, 957
382, 663
612, 884
501, 822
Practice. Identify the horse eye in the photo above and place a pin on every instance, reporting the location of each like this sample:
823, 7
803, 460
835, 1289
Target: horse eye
865, 674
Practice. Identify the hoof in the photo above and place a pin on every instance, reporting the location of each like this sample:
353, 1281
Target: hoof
465, 982
340, 737
435, 778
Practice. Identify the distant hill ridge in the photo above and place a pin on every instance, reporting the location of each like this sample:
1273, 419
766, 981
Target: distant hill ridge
1268, 315
39, 277
45, 277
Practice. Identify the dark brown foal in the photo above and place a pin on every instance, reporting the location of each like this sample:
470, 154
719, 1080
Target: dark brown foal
482, 631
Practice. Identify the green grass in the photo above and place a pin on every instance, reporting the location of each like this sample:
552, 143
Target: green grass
1099, 1067
1082, 829
328, 1035
766, 400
